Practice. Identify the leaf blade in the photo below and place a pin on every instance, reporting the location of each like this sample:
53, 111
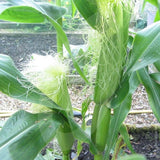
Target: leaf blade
153, 91
117, 119
125, 135
25, 130
149, 52
13, 83
89, 11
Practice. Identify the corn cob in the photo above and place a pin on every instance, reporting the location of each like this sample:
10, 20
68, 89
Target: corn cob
51, 81
114, 19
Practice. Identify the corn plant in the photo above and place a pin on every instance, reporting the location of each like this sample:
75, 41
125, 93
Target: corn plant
118, 75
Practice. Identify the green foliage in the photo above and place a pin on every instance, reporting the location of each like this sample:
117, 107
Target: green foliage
124, 133
13, 84
25, 130
118, 75
143, 55
153, 91
88, 9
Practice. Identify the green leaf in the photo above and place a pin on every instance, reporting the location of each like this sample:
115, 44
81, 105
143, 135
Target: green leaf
133, 157
25, 134
85, 105
39, 157
128, 85
153, 91
117, 119
121, 93
125, 135
15, 85
73, 8
80, 135
55, 12
31, 14
21, 14
145, 48
157, 17
88, 9
155, 76
157, 65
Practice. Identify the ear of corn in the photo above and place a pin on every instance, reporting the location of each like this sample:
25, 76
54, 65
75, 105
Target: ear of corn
51, 81
102, 130
114, 19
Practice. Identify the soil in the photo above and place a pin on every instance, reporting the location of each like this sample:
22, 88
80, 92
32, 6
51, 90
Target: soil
21, 46
146, 142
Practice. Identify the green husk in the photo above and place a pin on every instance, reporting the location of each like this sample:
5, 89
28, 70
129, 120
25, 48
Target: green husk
102, 128
114, 19
52, 81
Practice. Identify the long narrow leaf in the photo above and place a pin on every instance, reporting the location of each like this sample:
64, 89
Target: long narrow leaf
155, 76
73, 8
21, 16
157, 65
120, 114
146, 48
16, 86
25, 134
153, 91
13, 83
125, 135
79, 134
89, 11
54, 12
29, 14
128, 85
